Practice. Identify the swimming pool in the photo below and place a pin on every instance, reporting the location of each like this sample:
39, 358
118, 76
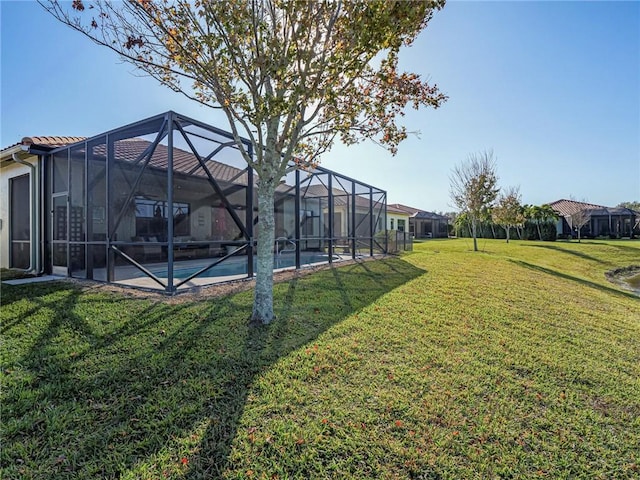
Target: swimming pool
238, 266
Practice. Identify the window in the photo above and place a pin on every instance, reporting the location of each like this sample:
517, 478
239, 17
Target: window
401, 225
392, 224
151, 218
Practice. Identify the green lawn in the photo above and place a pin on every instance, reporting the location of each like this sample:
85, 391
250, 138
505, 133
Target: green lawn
520, 361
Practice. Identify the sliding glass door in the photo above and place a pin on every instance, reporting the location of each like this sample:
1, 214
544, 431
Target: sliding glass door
20, 223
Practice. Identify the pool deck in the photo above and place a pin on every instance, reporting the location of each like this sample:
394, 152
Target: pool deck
131, 276
23, 281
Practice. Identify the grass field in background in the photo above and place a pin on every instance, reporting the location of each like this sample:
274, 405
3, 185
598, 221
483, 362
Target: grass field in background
519, 361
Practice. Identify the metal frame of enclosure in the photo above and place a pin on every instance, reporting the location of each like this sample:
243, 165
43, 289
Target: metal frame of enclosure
169, 203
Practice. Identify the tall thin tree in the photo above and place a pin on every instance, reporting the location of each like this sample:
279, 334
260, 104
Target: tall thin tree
508, 212
474, 189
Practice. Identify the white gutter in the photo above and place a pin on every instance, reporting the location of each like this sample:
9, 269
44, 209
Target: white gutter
34, 260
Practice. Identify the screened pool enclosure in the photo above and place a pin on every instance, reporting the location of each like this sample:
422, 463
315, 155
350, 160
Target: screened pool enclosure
170, 203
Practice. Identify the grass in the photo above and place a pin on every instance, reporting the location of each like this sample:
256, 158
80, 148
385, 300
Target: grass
520, 361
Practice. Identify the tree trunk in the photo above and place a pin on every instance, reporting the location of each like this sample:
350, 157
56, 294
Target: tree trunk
507, 229
263, 298
539, 232
474, 230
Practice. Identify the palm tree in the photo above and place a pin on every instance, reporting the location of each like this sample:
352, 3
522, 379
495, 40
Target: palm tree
547, 214
535, 213
540, 215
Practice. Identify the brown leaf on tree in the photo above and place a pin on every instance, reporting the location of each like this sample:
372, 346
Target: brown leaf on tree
77, 5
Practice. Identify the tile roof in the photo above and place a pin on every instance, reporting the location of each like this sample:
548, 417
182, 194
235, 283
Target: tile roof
566, 208
52, 142
48, 142
340, 197
416, 213
132, 150
392, 209
403, 208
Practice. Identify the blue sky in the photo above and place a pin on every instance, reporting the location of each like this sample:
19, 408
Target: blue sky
553, 88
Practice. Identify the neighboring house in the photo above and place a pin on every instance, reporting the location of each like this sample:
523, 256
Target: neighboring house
169, 201
397, 219
351, 213
424, 224
598, 220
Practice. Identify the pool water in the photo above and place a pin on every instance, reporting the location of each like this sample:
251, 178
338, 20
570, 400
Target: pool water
238, 266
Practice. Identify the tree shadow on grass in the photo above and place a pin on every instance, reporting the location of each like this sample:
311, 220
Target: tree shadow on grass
310, 306
618, 245
571, 252
113, 387
565, 276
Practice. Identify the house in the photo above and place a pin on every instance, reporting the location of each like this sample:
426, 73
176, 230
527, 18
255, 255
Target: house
21, 216
397, 219
169, 202
594, 220
424, 224
339, 213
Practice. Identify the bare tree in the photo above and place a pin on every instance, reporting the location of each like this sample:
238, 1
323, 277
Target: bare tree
508, 212
474, 188
579, 219
580, 216
290, 76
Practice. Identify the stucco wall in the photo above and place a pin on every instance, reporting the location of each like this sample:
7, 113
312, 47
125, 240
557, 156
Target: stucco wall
396, 217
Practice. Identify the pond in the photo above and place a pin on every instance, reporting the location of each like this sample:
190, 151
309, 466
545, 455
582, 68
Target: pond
626, 277
634, 281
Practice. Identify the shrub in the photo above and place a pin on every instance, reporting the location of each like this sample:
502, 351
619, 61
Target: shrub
549, 232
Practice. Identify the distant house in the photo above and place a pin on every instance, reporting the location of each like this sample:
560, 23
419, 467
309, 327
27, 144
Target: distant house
424, 224
397, 219
598, 219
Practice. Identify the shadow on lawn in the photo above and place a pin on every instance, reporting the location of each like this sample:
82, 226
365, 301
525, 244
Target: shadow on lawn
571, 252
582, 281
133, 392
621, 245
